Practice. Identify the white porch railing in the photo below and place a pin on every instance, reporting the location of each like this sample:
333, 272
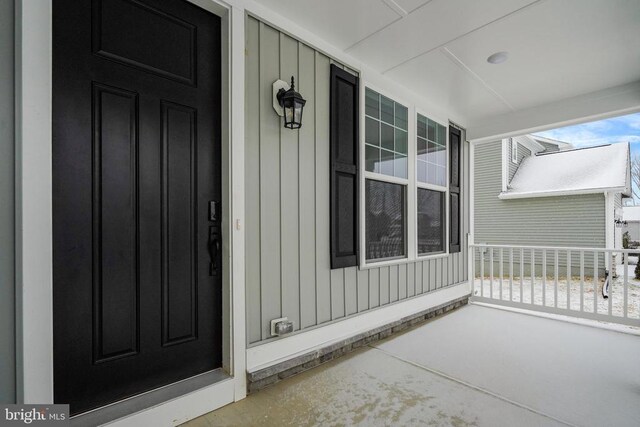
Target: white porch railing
571, 281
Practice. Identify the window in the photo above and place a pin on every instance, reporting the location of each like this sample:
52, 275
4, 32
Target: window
386, 135
386, 177
385, 222
431, 218
514, 151
431, 177
432, 152
410, 189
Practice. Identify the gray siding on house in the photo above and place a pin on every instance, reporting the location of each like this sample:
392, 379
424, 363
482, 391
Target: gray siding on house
287, 204
547, 221
522, 153
7, 253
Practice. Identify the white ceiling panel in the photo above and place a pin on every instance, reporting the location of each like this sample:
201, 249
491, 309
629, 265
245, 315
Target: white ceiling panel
557, 49
410, 5
340, 22
445, 84
429, 27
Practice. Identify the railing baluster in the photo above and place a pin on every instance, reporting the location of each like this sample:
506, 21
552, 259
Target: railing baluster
569, 280
626, 283
544, 277
491, 273
501, 270
555, 279
521, 272
610, 289
581, 280
482, 272
595, 282
533, 272
510, 274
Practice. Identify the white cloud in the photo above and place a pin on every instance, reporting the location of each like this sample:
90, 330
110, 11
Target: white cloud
609, 131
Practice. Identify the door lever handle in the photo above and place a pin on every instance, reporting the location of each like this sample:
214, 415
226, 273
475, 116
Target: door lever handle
214, 248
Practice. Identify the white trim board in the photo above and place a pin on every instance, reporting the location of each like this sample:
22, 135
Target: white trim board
278, 351
530, 195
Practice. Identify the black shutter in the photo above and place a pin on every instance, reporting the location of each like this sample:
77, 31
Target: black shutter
455, 156
344, 168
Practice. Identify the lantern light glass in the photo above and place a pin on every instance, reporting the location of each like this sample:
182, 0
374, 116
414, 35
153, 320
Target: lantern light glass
293, 105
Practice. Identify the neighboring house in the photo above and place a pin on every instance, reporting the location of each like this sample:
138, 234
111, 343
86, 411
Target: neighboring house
631, 217
540, 192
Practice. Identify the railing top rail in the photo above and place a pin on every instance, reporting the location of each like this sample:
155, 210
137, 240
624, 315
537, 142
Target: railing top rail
560, 248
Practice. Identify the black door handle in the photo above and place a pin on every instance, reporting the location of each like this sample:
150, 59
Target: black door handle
214, 248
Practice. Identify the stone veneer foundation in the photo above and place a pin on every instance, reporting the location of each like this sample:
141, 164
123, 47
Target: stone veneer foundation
262, 378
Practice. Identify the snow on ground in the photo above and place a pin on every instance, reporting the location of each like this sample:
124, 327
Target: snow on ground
546, 294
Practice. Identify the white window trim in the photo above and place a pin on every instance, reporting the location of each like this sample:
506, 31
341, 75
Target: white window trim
364, 175
411, 183
443, 189
505, 164
514, 151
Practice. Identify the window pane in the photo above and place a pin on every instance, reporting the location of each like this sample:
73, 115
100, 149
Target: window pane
401, 116
385, 220
432, 151
431, 131
386, 132
386, 109
422, 171
431, 226
400, 166
386, 162
441, 176
372, 131
401, 142
422, 148
422, 126
372, 158
442, 135
372, 103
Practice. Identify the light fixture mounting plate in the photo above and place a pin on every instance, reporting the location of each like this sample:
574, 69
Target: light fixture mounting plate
277, 85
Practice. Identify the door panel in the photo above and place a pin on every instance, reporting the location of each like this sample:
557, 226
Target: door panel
136, 160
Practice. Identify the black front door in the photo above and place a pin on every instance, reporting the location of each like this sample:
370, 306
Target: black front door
136, 163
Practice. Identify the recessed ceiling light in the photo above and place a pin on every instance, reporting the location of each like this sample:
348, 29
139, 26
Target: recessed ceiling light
498, 58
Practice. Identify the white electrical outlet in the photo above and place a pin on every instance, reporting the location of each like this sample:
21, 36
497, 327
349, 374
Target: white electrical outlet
281, 326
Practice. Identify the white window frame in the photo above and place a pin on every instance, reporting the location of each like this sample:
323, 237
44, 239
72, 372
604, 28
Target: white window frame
411, 183
427, 186
410, 203
514, 150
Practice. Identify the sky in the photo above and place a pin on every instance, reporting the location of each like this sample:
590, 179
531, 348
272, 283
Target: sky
608, 131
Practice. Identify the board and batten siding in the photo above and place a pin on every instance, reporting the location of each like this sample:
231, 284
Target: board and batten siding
7, 223
287, 204
544, 221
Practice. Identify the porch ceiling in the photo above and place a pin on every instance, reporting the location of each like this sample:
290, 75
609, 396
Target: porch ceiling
558, 49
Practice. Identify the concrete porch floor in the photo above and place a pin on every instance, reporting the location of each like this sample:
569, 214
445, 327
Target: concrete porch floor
477, 366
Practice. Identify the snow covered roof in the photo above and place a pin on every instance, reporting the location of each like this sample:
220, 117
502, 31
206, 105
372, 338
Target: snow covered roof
631, 213
580, 171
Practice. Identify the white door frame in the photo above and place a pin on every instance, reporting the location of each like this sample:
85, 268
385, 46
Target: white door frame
34, 264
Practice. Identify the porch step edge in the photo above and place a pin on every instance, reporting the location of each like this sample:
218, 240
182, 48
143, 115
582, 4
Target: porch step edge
270, 375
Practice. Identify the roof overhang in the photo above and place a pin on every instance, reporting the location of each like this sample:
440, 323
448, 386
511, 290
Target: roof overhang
506, 195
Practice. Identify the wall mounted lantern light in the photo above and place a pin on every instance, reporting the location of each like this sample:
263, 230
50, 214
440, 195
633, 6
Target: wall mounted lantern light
288, 103
619, 223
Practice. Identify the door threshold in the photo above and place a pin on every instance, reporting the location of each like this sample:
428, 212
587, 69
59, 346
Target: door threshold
148, 399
